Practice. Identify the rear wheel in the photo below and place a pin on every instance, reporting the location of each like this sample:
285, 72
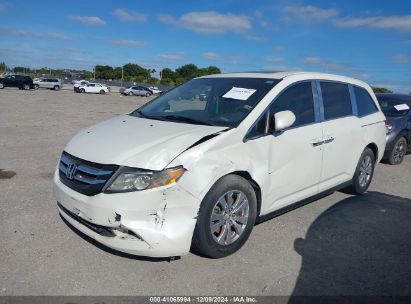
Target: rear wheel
363, 173
1, 85
36, 86
226, 218
26, 87
398, 152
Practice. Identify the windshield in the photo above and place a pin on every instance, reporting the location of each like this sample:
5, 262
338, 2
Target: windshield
209, 101
390, 106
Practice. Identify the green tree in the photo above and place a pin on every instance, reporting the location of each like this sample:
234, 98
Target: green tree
381, 90
134, 70
167, 73
187, 71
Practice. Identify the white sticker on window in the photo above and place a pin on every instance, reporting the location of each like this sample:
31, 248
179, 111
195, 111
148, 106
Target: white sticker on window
402, 107
239, 93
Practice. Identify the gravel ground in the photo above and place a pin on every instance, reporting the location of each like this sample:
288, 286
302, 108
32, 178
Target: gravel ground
338, 245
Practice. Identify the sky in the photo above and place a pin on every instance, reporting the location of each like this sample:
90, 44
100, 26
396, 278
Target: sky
367, 39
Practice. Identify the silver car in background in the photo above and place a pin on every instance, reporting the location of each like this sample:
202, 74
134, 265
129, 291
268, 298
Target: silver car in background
48, 83
136, 90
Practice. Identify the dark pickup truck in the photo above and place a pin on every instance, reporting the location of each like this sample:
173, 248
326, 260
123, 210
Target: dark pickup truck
18, 81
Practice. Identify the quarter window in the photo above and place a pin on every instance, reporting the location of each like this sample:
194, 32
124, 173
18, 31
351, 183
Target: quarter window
299, 100
336, 100
365, 104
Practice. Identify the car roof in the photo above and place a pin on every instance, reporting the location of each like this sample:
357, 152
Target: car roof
395, 96
284, 74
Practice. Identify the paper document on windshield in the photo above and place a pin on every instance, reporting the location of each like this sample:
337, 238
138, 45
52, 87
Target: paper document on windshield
402, 107
239, 93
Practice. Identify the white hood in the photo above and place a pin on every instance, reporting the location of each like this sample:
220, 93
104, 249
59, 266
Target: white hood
136, 142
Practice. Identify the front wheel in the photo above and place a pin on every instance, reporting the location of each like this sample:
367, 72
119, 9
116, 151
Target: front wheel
226, 218
56, 88
36, 86
130, 93
1, 85
26, 87
82, 90
102, 92
148, 95
398, 152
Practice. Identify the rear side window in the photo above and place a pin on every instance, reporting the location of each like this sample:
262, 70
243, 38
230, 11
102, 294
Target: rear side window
336, 100
365, 104
299, 100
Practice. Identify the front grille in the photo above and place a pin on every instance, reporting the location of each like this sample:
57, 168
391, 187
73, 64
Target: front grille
83, 176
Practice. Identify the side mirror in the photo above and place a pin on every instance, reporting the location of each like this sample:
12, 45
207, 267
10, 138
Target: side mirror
283, 120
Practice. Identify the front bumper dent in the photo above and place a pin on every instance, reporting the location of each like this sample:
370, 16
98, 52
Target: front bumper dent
156, 222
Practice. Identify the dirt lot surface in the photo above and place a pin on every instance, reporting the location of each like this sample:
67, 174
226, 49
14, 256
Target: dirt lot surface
338, 245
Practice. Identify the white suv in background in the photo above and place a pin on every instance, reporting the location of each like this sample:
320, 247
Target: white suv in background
96, 88
195, 167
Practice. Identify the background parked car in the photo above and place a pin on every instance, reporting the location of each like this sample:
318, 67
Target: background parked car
18, 81
155, 90
396, 108
97, 88
48, 83
78, 84
135, 90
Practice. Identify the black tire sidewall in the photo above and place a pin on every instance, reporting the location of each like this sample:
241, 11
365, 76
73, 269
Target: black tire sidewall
356, 184
203, 241
391, 157
56, 88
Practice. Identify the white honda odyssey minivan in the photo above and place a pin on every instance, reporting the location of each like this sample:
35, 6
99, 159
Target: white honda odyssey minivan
197, 166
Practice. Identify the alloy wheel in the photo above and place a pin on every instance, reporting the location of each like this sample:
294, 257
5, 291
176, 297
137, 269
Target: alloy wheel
365, 171
229, 217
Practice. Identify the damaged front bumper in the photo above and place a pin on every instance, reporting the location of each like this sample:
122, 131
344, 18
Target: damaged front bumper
156, 222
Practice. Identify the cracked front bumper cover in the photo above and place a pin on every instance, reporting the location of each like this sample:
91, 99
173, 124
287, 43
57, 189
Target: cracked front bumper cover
156, 223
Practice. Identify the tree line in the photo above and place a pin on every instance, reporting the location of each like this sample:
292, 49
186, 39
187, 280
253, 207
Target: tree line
129, 72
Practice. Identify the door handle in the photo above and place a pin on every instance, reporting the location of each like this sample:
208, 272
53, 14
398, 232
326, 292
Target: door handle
317, 142
328, 140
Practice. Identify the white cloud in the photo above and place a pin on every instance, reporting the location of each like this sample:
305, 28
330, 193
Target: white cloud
173, 56
210, 22
325, 65
273, 59
310, 13
129, 16
52, 36
211, 56
402, 59
398, 23
128, 43
89, 20
41, 35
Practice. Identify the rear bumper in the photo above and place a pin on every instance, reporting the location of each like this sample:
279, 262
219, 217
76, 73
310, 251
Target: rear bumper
156, 223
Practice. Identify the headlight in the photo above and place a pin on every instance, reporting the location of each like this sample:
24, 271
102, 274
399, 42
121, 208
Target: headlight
130, 179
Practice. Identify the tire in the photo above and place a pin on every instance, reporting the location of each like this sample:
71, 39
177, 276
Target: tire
130, 93
363, 173
148, 95
36, 86
102, 92
222, 241
82, 91
26, 87
56, 88
1, 85
397, 153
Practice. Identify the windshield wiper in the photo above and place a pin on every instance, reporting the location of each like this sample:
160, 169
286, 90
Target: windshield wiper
183, 119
